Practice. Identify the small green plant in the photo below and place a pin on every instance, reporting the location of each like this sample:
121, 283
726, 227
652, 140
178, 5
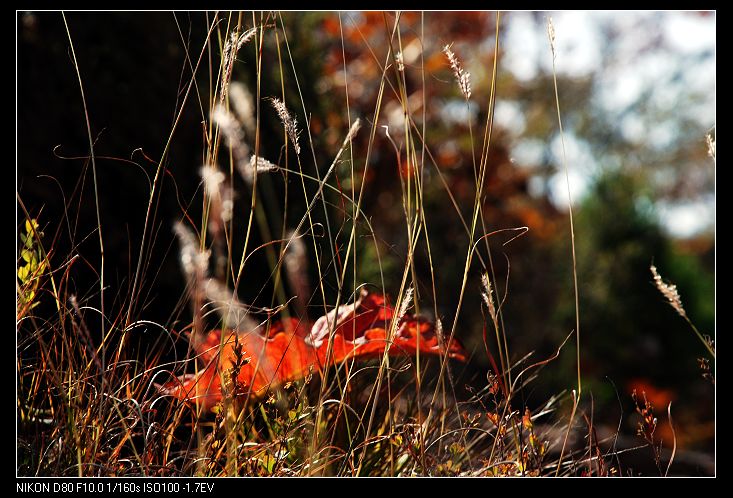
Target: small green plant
31, 266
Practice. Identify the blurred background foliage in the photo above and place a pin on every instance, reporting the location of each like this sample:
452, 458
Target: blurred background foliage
636, 163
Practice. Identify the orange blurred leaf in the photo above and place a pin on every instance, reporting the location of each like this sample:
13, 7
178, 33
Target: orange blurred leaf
293, 348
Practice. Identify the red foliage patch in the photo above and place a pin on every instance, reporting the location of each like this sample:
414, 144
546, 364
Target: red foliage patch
292, 348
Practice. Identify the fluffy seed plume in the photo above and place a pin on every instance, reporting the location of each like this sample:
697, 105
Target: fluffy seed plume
353, 131
669, 291
439, 330
243, 103
551, 34
232, 46
233, 133
400, 59
213, 178
711, 145
229, 125
296, 268
462, 77
227, 209
195, 263
289, 122
234, 314
262, 164
220, 196
406, 302
295, 254
488, 296
247, 168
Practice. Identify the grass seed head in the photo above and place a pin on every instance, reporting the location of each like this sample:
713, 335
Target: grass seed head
462, 77
289, 121
669, 291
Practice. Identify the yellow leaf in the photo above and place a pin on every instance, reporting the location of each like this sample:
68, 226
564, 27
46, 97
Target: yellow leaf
527, 419
23, 273
28, 228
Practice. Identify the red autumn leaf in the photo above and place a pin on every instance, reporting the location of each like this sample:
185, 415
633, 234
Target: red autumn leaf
293, 348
